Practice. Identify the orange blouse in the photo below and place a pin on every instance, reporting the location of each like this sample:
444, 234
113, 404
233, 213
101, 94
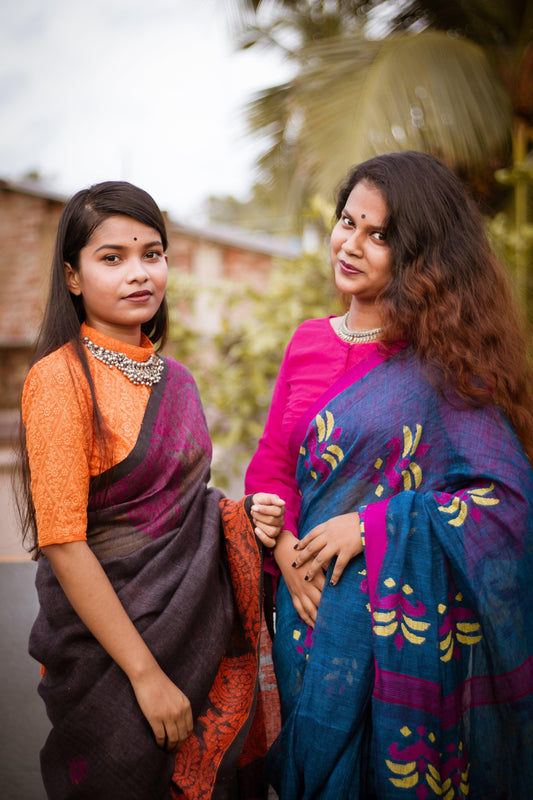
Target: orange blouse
62, 451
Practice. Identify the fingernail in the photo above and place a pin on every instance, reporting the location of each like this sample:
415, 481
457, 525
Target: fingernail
332, 583
294, 564
307, 577
295, 546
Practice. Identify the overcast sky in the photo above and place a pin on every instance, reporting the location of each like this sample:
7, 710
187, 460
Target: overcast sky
150, 91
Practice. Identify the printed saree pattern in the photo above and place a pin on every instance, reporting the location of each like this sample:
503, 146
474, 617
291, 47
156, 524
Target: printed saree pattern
195, 598
417, 680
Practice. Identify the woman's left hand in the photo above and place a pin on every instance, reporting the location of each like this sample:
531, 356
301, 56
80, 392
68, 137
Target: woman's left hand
268, 513
339, 536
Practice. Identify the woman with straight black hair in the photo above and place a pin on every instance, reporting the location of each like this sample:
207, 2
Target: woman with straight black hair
148, 629
401, 437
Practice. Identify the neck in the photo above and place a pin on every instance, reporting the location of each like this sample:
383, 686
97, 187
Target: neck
362, 317
127, 334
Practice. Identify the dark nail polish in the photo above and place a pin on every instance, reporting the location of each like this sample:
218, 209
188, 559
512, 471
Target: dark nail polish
296, 546
306, 577
294, 564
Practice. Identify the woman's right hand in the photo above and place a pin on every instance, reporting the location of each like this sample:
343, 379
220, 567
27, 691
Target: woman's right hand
305, 594
166, 708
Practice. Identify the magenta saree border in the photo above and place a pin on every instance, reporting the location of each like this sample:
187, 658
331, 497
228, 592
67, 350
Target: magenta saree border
412, 692
376, 356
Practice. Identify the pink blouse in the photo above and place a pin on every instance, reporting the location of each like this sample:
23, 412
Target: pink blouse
314, 359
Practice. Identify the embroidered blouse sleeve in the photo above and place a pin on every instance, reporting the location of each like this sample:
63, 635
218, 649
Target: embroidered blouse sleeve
58, 428
272, 468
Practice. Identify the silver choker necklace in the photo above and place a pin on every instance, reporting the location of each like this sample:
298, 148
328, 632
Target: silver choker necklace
139, 372
347, 335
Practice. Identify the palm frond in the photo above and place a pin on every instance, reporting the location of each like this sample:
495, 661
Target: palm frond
429, 92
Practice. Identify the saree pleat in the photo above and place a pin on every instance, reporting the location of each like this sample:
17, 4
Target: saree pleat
417, 680
194, 596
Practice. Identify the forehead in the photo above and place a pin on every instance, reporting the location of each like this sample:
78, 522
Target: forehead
365, 198
120, 228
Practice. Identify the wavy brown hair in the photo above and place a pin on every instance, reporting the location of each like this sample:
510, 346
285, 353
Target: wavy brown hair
449, 296
64, 312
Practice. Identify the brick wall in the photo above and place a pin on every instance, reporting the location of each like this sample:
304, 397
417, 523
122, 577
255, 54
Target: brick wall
28, 223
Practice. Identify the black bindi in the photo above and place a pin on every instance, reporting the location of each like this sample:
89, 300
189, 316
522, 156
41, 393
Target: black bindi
363, 216
134, 238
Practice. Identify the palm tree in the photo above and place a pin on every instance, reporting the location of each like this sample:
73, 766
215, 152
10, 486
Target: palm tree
451, 78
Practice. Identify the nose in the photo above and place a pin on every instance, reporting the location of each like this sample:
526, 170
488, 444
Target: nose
353, 243
138, 271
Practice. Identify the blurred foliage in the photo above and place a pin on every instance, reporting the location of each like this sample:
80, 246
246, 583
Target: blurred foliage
454, 79
236, 369
370, 77
512, 233
263, 213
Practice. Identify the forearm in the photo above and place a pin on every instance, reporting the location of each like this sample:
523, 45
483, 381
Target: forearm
95, 601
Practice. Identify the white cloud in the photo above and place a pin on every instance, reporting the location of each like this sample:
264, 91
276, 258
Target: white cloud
148, 91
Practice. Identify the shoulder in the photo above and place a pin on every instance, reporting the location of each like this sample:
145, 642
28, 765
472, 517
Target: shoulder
179, 376
314, 333
319, 325
53, 379
177, 369
314, 336
53, 368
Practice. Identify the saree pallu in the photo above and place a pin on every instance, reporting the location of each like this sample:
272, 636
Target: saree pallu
417, 680
194, 596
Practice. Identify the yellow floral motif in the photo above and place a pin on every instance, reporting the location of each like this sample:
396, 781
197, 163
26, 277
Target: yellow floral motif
399, 469
418, 769
458, 505
455, 628
409, 449
324, 428
321, 449
400, 620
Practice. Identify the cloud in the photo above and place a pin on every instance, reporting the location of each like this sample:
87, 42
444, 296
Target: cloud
148, 91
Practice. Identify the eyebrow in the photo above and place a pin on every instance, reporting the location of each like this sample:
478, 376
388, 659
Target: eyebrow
156, 243
369, 224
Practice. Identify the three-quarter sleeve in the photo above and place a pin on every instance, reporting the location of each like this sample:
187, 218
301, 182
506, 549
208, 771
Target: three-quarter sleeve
58, 428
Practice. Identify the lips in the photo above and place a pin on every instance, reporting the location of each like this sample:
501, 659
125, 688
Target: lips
347, 268
142, 295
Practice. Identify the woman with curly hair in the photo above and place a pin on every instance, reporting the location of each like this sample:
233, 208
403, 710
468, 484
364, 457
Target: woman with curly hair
401, 437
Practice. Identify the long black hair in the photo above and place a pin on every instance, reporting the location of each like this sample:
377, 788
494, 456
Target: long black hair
64, 312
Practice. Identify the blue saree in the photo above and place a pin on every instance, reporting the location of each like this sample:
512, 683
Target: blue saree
417, 680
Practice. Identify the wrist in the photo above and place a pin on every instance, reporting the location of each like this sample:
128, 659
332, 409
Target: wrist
283, 550
141, 666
